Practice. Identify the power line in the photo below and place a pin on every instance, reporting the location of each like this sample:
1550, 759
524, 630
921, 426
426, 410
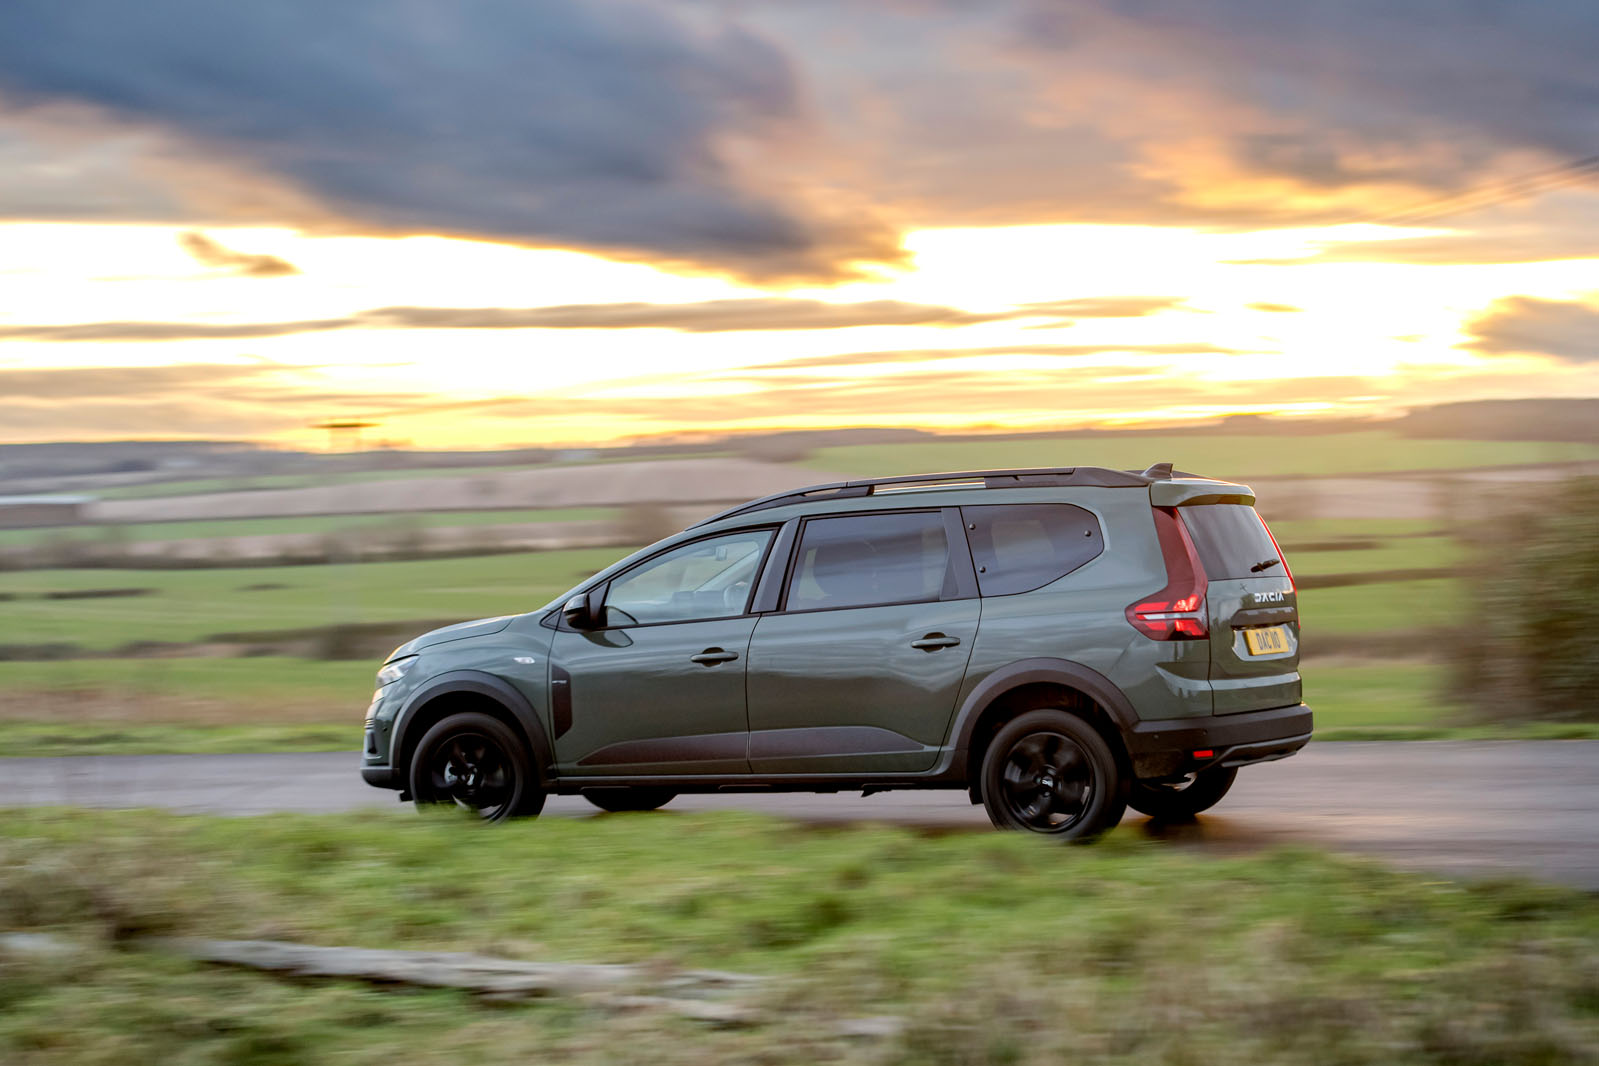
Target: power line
1503, 191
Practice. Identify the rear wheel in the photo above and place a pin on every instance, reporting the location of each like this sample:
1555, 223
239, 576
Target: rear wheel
629, 799
1177, 800
478, 763
1050, 772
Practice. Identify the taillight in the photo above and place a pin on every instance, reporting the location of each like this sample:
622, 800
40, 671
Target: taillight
1287, 572
1176, 612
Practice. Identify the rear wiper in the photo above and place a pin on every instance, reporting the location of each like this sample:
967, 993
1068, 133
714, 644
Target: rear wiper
1264, 564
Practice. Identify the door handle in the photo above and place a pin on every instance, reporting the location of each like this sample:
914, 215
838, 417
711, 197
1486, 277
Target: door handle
934, 641
712, 656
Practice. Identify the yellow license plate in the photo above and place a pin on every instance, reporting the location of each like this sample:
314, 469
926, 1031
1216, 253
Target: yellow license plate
1273, 640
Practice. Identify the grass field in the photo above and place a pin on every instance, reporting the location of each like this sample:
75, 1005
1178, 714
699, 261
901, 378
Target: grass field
191, 605
248, 527
994, 948
1219, 455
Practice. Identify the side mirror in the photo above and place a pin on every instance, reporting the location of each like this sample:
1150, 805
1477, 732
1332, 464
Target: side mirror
581, 612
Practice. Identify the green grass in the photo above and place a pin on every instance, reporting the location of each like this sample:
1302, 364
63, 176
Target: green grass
1399, 608
247, 527
198, 486
190, 605
1220, 455
994, 948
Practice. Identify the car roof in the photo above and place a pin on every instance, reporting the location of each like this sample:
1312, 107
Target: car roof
1021, 477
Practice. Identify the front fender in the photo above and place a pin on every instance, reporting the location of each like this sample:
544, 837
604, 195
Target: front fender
477, 683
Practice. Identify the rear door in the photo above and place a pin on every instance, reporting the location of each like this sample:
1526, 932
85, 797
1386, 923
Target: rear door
858, 670
1253, 608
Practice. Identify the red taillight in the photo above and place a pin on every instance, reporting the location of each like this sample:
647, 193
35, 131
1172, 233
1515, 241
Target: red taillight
1176, 612
1288, 573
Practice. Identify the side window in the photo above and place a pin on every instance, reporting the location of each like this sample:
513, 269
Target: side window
858, 560
1021, 547
709, 578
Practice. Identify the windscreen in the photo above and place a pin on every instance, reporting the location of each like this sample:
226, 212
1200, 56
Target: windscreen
1232, 541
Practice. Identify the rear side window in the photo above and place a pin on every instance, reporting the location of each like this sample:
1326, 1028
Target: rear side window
859, 560
1021, 547
1232, 541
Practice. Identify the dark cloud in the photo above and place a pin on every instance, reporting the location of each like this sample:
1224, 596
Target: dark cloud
706, 316
774, 138
1523, 325
212, 254
612, 124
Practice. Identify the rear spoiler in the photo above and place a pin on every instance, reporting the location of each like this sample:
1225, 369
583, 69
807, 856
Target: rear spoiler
1184, 492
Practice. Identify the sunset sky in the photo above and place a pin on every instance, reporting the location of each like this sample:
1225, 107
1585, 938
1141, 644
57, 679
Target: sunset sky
490, 223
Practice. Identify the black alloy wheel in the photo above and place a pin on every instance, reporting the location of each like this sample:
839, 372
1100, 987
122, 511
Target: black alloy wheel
476, 762
1050, 772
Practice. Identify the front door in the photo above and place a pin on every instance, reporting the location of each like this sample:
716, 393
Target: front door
859, 670
659, 689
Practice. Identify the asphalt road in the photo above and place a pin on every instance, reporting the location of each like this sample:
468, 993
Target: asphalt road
1454, 807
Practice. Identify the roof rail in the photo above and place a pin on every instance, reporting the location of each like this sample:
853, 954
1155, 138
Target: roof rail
991, 479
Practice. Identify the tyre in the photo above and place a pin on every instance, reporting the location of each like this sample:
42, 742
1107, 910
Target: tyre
476, 762
629, 799
1177, 801
1050, 772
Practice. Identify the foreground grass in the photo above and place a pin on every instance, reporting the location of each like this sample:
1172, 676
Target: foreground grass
207, 706
996, 948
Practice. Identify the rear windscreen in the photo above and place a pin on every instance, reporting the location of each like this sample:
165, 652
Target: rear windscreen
1232, 541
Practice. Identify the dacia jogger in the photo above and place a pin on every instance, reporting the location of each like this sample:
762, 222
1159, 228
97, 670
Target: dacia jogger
1060, 643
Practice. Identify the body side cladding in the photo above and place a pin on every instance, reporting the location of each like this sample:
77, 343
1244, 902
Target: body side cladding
477, 683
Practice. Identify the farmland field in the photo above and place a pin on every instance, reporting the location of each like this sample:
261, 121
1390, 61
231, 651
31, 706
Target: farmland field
1216, 455
192, 605
246, 527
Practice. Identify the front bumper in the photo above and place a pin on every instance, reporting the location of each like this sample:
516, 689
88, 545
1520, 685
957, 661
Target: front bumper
382, 777
1165, 748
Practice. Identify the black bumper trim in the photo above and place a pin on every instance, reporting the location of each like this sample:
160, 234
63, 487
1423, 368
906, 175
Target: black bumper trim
381, 777
1163, 748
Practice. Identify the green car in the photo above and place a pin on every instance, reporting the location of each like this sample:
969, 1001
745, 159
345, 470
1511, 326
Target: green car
1059, 643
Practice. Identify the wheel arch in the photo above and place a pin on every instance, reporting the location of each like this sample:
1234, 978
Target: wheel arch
1033, 683
464, 690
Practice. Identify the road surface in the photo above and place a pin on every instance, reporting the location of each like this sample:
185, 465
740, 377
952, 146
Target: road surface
1454, 807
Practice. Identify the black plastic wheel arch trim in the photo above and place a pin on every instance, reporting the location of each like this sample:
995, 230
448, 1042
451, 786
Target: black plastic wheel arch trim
477, 683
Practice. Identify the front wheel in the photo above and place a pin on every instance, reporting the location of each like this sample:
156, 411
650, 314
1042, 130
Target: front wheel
478, 763
1050, 772
629, 799
1175, 801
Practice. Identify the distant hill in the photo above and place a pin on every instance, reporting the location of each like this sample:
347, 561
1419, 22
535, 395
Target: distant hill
1550, 419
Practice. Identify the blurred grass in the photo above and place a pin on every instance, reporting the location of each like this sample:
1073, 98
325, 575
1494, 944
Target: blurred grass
247, 527
997, 948
1221, 455
191, 605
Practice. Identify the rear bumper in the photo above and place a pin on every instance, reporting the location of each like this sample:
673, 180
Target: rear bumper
1165, 748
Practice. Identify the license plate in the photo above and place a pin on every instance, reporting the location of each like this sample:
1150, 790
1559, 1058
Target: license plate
1272, 640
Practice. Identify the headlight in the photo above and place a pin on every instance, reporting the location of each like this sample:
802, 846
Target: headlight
392, 672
